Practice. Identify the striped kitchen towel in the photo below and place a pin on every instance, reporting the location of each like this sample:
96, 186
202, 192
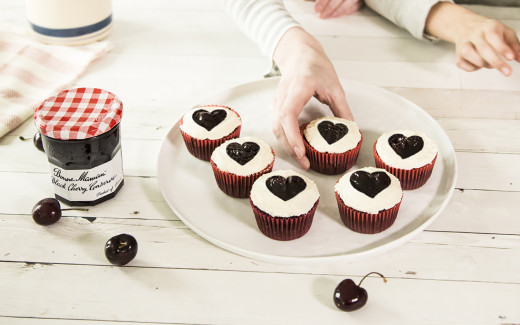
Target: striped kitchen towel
31, 71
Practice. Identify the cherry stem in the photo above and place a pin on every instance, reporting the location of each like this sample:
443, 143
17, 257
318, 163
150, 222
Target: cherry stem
382, 276
76, 209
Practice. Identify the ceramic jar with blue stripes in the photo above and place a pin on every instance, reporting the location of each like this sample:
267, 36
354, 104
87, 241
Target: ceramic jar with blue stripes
69, 22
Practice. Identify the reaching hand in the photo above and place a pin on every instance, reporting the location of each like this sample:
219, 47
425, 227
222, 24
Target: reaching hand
487, 43
336, 8
306, 72
480, 42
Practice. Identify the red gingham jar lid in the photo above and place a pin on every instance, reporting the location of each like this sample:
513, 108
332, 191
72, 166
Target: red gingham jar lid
79, 113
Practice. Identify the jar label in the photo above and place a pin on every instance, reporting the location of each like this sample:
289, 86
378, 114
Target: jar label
88, 184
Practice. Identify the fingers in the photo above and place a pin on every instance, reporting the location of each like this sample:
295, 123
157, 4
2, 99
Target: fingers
469, 54
512, 39
338, 103
345, 9
336, 8
329, 8
489, 47
466, 66
500, 45
320, 5
285, 125
490, 54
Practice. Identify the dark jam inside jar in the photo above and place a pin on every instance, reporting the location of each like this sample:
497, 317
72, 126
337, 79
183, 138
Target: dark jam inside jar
80, 130
87, 171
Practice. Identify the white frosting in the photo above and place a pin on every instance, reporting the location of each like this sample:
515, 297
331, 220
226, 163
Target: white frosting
259, 162
357, 200
420, 159
224, 128
266, 201
348, 142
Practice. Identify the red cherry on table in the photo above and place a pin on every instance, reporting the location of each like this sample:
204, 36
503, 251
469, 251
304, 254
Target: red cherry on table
349, 296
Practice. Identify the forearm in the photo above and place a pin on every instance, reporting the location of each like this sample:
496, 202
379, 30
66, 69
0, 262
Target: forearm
263, 21
408, 14
295, 42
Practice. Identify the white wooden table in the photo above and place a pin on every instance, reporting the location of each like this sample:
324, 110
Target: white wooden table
170, 54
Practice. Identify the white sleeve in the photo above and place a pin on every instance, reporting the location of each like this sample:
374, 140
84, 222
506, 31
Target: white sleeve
408, 14
263, 21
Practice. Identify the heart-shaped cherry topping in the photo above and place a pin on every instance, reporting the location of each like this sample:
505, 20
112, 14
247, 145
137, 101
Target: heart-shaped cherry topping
242, 153
209, 120
285, 188
369, 183
332, 132
406, 146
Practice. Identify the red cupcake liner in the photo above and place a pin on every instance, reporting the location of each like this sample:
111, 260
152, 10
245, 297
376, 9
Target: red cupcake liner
367, 223
410, 179
280, 228
330, 163
203, 149
236, 185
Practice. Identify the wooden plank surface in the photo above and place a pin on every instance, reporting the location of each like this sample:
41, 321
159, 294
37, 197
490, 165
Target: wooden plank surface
170, 55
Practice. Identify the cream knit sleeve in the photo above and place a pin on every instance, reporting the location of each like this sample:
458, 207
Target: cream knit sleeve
263, 21
408, 14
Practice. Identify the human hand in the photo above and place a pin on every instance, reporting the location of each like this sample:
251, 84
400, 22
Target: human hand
487, 43
480, 42
306, 72
336, 8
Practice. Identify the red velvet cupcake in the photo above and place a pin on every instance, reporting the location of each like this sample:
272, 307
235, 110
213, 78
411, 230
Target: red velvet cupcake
237, 163
408, 155
284, 203
204, 128
332, 144
368, 199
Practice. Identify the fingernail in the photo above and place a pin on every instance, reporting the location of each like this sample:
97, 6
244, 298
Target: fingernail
510, 56
305, 164
298, 151
505, 71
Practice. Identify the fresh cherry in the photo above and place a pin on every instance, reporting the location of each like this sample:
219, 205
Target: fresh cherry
349, 297
37, 140
121, 249
46, 211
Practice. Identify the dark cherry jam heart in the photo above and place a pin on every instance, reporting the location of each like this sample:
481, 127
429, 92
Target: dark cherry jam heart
242, 153
209, 120
285, 188
406, 146
370, 183
332, 132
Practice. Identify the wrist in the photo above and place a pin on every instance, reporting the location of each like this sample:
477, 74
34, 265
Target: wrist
295, 42
450, 22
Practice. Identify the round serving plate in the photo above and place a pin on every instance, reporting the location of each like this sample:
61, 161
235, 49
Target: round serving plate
189, 187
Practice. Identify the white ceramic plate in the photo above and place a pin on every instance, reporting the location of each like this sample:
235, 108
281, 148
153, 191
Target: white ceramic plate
189, 187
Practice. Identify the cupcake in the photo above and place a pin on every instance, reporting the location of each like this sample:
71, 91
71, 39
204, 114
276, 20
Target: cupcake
409, 155
284, 203
332, 144
206, 127
368, 199
237, 163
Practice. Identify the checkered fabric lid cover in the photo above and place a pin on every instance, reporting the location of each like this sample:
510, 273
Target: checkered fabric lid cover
79, 113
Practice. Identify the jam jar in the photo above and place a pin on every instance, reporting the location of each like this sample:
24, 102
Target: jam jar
81, 136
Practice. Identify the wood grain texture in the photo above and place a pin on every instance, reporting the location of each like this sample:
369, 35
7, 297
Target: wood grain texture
170, 55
